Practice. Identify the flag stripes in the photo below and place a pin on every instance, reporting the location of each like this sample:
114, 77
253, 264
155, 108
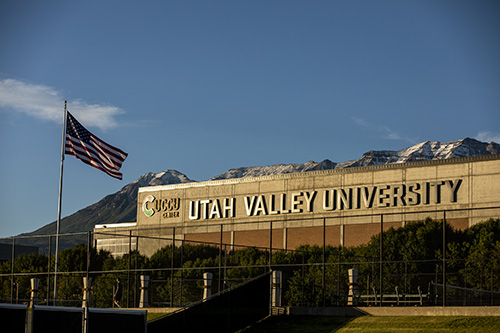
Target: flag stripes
91, 150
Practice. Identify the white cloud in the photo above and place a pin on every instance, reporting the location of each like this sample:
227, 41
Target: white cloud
385, 131
361, 122
390, 134
488, 137
46, 103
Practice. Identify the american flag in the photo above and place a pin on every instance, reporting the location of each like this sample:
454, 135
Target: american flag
91, 150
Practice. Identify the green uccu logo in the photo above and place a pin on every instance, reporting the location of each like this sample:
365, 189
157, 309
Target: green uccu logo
148, 212
169, 207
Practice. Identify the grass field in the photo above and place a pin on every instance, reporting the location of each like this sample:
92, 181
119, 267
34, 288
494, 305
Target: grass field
152, 316
309, 324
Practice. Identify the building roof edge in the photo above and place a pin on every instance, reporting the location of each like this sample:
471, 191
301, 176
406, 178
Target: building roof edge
392, 166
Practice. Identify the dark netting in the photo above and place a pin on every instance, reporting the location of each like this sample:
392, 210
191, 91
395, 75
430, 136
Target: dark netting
13, 316
57, 319
105, 321
52, 319
228, 311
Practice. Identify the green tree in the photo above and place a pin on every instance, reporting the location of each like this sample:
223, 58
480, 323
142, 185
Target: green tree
105, 283
483, 260
245, 264
27, 267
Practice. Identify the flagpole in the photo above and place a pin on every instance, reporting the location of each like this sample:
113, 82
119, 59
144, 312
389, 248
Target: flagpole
60, 201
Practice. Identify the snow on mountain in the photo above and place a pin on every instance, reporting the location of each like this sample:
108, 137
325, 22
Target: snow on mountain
425, 151
162, 178
275, 169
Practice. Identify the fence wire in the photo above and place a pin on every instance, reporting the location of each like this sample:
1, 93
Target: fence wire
312, 276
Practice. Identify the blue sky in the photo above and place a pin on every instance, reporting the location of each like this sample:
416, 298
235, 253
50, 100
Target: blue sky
205, 86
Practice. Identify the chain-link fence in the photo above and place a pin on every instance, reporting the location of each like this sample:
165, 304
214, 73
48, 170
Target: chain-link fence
314, 275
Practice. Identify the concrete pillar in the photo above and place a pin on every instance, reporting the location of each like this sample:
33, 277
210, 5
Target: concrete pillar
207, 285
353, 286
86, 292
276, 291
34, 291
144, 300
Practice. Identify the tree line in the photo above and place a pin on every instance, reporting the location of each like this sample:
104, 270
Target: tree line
312, 276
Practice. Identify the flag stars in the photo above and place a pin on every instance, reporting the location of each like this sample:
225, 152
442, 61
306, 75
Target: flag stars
76, 130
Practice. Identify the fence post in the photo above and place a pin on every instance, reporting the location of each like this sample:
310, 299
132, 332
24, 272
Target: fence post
86, 291
86, 286
12, 271
34, 292
302, 280
89, 242
181, 264
491, 286
86, 303
172, 270
338, 279
129, 264
406, 277
444, 258
225, 284
144, 300
435, 285
324, 259
220, 257
465, 281
353, 284
30, 313
48, 269
276, 291
381, 257
270, 244
135, 271
207, 285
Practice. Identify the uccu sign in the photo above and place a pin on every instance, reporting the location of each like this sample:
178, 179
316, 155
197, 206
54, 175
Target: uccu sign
326, 200
168, 207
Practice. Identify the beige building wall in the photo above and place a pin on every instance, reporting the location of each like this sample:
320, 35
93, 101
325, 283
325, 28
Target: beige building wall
347, 203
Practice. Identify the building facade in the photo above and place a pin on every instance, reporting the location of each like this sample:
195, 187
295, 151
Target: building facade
339, 207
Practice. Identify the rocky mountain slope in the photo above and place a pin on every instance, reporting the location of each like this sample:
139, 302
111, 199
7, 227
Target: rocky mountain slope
275, 169
424, 151
114, 208
122, 205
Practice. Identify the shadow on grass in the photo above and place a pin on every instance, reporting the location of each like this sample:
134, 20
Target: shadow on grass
302, 324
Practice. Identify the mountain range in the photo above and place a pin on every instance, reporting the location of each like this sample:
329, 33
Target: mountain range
122, 205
